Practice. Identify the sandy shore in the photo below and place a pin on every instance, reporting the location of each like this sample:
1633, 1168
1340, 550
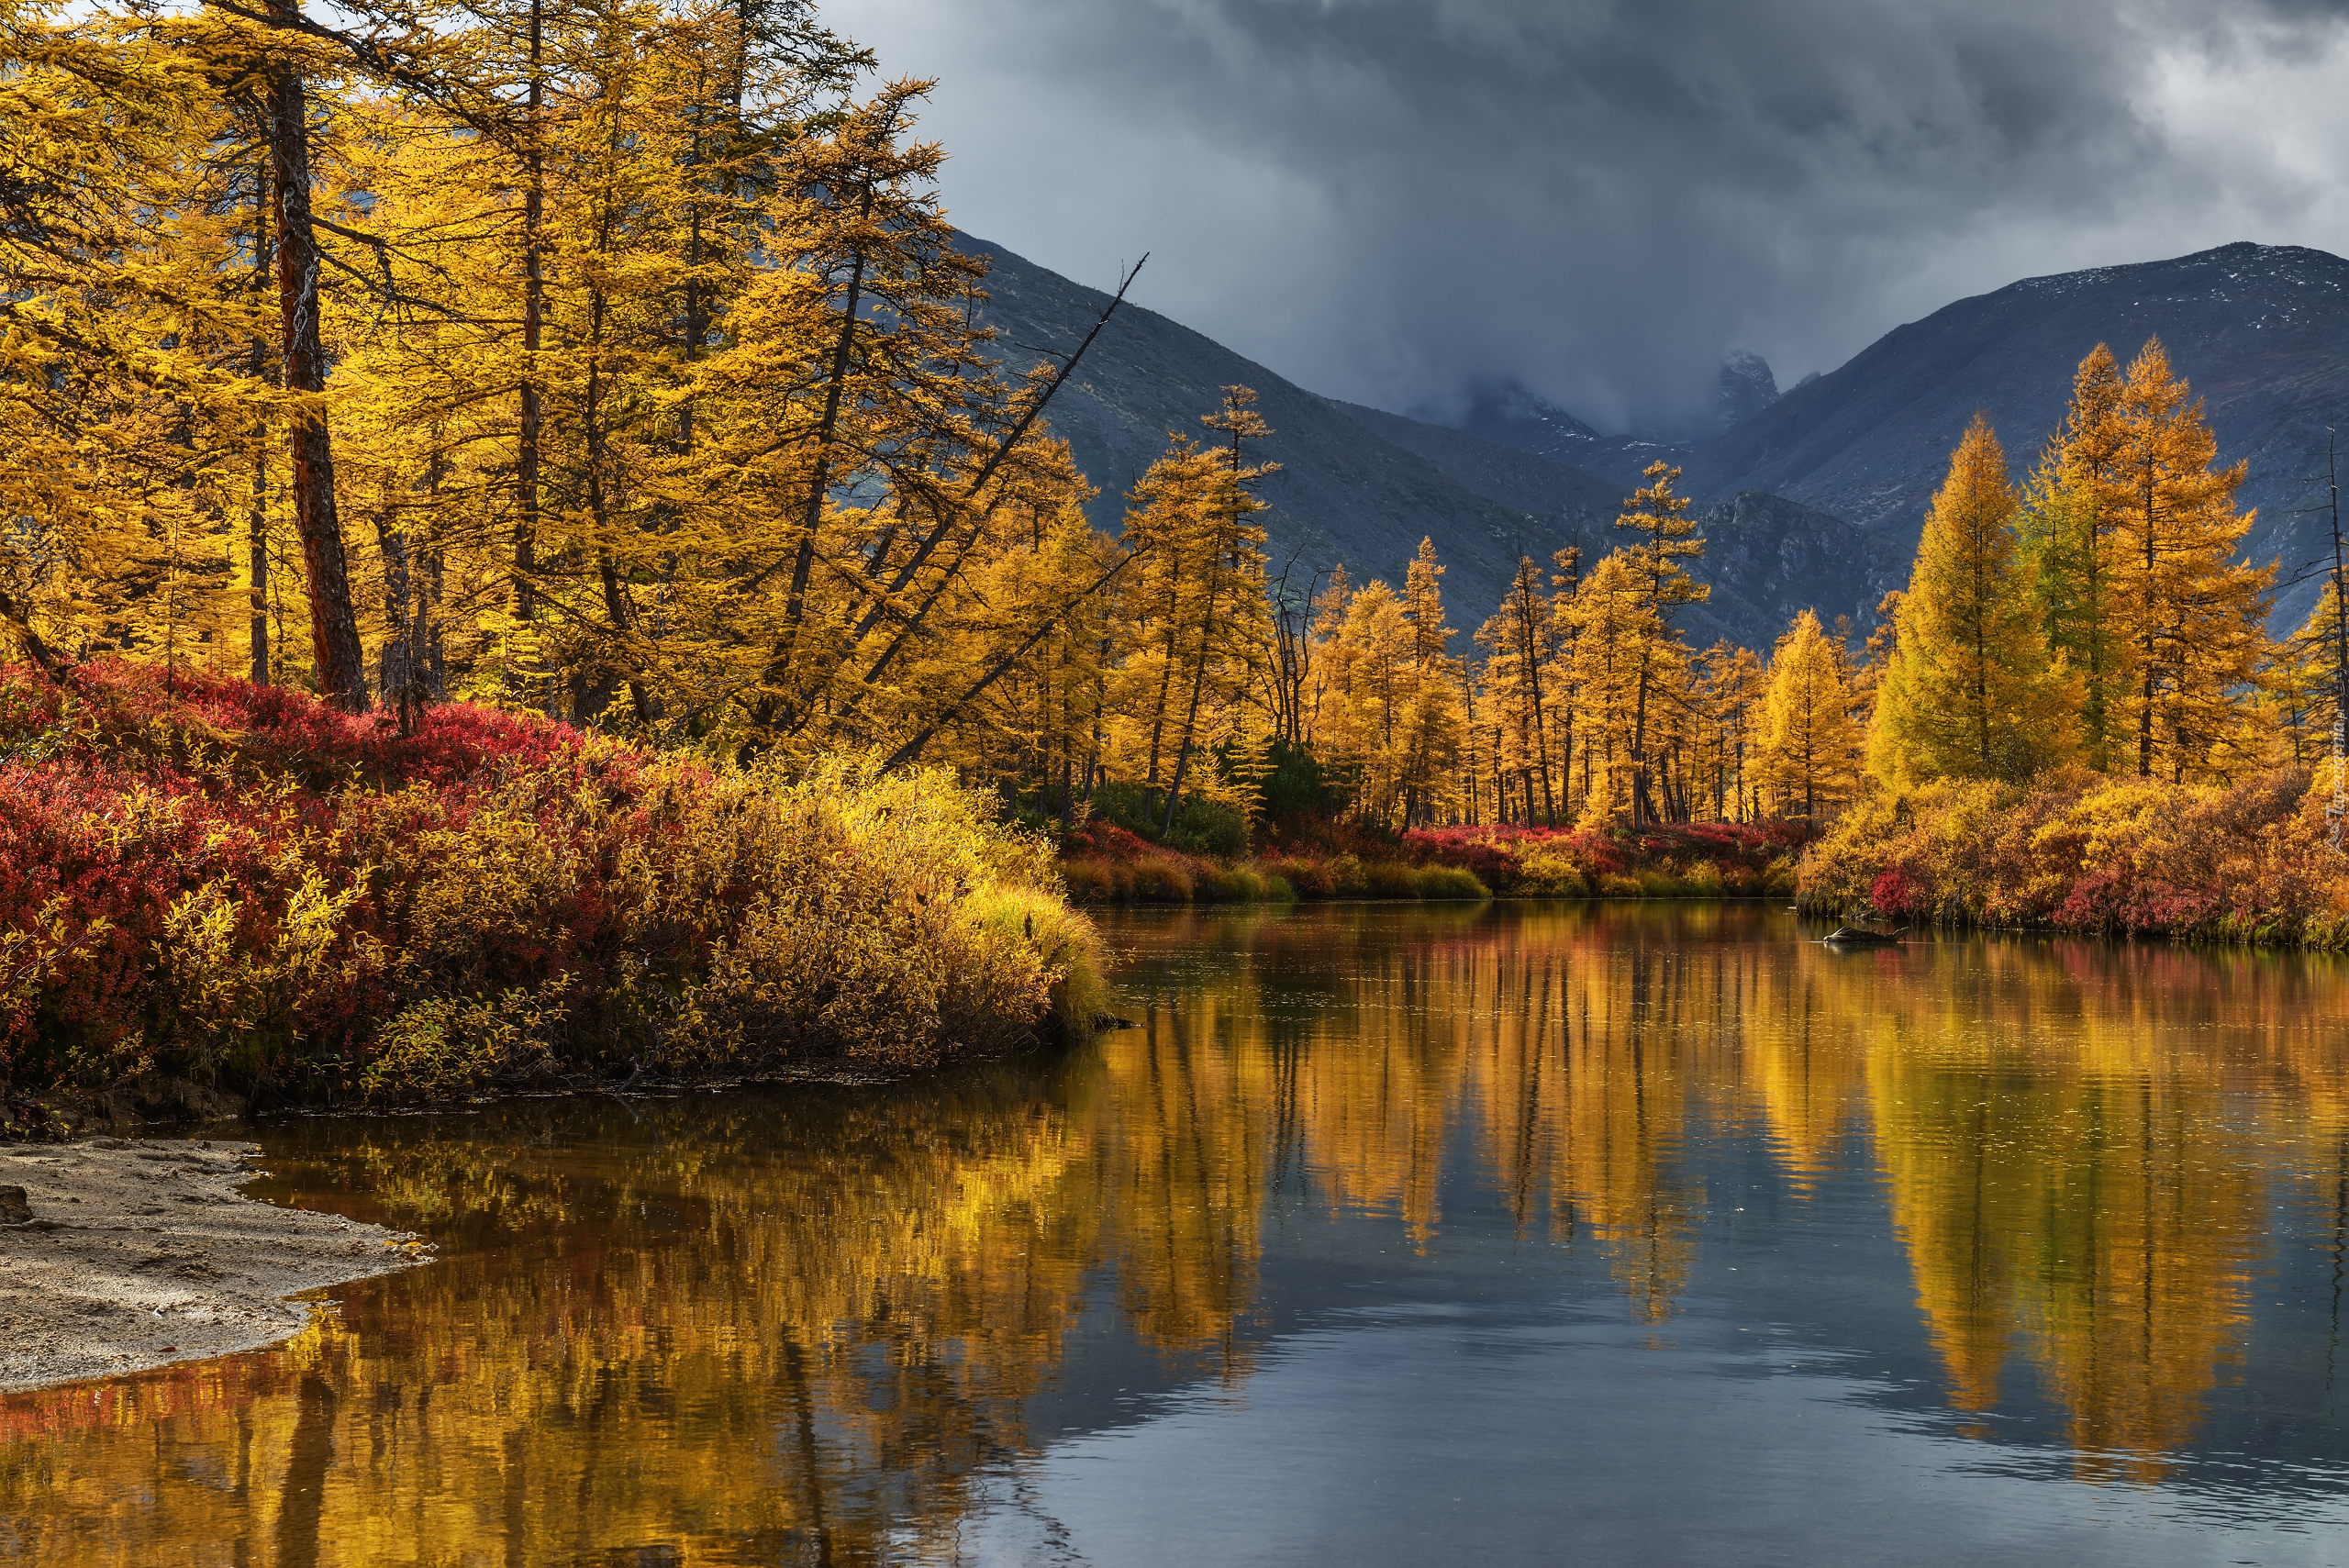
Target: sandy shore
140, 1253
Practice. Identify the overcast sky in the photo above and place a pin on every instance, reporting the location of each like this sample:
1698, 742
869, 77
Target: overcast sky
1389, 200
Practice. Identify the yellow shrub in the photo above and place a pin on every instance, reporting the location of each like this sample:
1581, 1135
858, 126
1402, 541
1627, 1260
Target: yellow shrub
876, 920
447, 1046
1548, 870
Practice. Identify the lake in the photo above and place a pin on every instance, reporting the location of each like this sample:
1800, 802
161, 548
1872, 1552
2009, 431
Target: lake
1385, 1234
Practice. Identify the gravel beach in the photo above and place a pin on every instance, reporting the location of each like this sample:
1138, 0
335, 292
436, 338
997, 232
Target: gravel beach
124, 1254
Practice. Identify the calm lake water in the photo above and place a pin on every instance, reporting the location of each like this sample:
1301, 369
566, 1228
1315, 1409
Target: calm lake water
1516, 1234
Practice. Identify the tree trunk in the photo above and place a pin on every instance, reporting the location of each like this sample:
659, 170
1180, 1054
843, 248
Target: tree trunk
1190, 727
399, 663
334, 626
812, 518
257, 519
526, 456
1641, 809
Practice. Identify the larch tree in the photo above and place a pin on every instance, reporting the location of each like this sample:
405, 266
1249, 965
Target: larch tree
1620, 657
1437, 722
1728, 703
1970, 691
123, 402
1662, 518
1565, 585
1394, 720
337, 657
2067, 524
1516, 640
2189, 614
1193, 620
1810, 744
2302, 689
1364, 664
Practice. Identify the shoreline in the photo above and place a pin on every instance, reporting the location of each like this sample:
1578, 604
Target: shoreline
140, 1253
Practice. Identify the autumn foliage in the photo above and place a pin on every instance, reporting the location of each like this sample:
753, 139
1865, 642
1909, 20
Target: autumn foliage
2249, 862
236, 885
638, 376
1708, 859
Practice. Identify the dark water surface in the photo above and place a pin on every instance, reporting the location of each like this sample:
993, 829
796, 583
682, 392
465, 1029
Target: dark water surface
1522, 1234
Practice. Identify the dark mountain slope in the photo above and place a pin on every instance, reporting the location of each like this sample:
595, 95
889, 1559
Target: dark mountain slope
1508, 474
1768, 557
1363, 486
1343, 493
2261, 332
1514, 417
1774, 558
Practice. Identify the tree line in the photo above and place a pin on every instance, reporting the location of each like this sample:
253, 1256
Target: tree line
2095, 615
615, 359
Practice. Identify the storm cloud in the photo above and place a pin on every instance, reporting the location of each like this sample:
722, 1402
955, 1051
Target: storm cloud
1394, 201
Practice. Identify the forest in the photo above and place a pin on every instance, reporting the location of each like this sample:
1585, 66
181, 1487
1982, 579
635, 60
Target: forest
568, 431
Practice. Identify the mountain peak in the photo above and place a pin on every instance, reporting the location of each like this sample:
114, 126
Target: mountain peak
1746, 387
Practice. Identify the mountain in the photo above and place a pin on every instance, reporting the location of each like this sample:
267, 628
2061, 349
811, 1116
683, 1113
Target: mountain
1580, 501
1746, 388
1770, 558
2261, 332
1361, 485
1766, 558
1345, 492
1513, 415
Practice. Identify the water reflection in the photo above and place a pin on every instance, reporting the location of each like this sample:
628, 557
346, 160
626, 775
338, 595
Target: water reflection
841, 1325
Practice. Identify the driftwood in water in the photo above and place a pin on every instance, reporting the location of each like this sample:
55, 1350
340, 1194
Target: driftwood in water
1857, 937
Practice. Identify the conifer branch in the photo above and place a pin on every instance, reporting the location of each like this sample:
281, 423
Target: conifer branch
913, 747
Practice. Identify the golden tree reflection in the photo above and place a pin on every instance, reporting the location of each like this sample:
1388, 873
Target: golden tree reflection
815, 1325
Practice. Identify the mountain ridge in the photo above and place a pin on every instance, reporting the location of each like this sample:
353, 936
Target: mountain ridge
1363, 486
2261, 332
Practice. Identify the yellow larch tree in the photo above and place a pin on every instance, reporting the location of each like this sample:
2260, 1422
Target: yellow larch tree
1193, 623
1970, 690
1618, 651
125, 397
1728, 703
1565, 694
1366, 667
2187, 613
1437, 722
1520, 641
1663, 584
1810, 744
2302, 689
1394, 722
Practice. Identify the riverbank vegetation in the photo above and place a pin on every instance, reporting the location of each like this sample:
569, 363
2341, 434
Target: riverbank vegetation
591, 405
2080, 720
205, 881
1715, 860
2249, 862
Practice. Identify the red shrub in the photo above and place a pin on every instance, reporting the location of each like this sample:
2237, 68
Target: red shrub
1896, 895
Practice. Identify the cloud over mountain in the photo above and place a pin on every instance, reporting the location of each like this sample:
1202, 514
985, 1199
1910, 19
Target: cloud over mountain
1395, 200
